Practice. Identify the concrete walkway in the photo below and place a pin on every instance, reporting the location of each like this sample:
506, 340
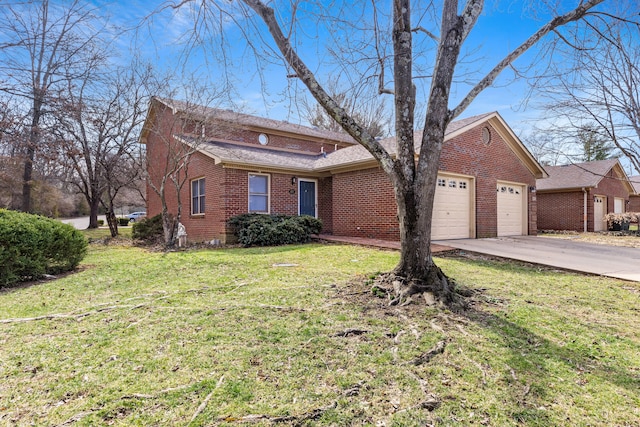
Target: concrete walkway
611, 261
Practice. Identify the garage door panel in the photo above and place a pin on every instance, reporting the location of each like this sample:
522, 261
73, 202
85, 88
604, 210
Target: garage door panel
599, 211
451, 217
511, 208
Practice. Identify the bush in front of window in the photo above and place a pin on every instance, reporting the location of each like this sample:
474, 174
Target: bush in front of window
148, 229
32, 246
273, 230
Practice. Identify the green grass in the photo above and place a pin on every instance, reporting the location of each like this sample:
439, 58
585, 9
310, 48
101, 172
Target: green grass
231, 338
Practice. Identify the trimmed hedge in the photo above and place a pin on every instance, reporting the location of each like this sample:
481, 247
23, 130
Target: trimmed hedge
274, 230
32, 246
148, 229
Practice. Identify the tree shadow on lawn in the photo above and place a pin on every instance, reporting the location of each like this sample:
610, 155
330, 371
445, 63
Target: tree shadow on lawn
530, 363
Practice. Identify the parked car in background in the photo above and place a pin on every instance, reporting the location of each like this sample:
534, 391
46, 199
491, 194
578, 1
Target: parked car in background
134, 216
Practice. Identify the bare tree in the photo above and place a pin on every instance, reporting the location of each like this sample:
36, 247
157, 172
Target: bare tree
547, 149
433, 45
43, 45
178, 141
370, 111
99, 119
602, 89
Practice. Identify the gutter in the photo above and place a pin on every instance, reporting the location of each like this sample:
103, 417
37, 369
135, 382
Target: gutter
584, 215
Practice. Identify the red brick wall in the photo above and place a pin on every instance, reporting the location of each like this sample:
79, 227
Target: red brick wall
565, 210
364, 204
634, 203
562, 211
325, 204
612, 186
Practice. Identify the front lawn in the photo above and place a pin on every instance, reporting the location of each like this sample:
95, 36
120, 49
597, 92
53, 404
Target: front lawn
291, 336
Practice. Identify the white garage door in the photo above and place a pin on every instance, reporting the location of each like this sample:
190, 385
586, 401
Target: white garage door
511, 209
618, 205
452, 208
599, 211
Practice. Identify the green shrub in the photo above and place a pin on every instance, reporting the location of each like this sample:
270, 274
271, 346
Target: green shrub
123, 222
148, 229
273, 230
32, 246
100, 222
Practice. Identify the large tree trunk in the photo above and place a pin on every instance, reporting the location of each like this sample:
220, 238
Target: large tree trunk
27, 176
416, 271
94, 206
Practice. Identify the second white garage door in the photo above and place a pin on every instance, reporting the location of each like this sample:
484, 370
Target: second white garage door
452, 208
511, 209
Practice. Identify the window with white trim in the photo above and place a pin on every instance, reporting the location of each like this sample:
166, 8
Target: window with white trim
197, 196
442, 182
258, 193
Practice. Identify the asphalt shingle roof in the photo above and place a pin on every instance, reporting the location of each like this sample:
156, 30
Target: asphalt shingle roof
278, 158
247, 120
576, 175
258, 156
635, 182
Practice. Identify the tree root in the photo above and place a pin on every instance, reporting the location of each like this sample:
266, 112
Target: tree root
427, 356
69, 315
206, 400
350, 331
295, 419
435, 289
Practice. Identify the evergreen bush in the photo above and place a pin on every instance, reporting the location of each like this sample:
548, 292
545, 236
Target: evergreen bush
274, 230
148, 229
32, 246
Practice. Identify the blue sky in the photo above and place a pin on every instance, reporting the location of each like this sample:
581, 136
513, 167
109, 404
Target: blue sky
502, 27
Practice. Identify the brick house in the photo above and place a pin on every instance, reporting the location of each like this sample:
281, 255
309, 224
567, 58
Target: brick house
486, 180
578, 196
634, 199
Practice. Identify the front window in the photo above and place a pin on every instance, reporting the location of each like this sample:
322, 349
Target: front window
258, 193
197, 197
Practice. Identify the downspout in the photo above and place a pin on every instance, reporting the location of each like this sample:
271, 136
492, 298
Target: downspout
584, 214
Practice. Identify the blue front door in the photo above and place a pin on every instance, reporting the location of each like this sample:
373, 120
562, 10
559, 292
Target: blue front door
307, 198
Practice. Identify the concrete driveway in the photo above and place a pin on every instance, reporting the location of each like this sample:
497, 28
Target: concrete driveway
611, 261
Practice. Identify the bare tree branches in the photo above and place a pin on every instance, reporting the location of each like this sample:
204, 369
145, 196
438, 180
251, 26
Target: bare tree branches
44, 46
602, 87
578, 13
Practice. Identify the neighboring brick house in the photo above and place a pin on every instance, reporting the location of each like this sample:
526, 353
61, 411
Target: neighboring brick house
578, 196
634, 199
486, 183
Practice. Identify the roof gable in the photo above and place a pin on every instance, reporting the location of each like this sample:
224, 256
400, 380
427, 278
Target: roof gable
355, 155
581, 175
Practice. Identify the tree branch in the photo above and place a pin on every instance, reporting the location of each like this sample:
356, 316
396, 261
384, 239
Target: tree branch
556, 22
307, 77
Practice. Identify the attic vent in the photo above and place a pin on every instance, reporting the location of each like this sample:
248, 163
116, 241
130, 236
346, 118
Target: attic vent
486, 136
